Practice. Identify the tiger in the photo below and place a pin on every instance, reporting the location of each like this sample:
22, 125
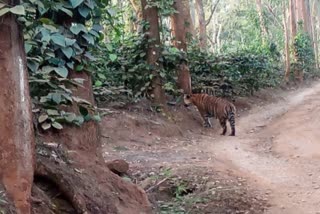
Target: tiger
211, 106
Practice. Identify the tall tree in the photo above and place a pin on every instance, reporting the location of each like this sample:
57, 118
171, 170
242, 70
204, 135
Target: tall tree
202, 25
16, 138
264, 31
136, 4
150, 14
315, 30
287, 42
182, 28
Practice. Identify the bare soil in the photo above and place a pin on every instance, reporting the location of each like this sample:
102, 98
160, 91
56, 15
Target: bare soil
271, 166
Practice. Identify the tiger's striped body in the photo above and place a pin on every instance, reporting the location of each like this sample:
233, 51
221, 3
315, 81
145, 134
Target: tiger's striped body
210, 106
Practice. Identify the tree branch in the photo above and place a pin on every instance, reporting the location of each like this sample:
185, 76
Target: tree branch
213, 9
274, 15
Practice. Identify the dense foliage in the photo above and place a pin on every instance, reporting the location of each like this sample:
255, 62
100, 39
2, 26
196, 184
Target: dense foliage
58, 37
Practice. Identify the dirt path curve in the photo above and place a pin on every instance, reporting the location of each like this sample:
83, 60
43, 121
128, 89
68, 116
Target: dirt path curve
278, 148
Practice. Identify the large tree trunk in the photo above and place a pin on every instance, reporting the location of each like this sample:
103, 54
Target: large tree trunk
264, 31
181, 30
202, 25
293, 19
287, 41
150, 14
16, 131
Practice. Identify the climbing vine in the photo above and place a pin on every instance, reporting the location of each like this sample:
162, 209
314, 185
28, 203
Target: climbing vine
58, 38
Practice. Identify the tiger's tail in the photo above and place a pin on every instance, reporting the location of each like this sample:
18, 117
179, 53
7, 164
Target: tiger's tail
231, 119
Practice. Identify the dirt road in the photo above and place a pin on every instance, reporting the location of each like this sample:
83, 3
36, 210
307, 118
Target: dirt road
277, 149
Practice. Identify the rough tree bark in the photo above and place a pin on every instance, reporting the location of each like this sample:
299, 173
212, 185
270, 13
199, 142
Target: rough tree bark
315, 30
17, 137
181, 30
202, 25
150, 14
287, 41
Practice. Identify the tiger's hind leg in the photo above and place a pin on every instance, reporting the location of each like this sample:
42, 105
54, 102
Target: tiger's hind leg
232, 122
223, 123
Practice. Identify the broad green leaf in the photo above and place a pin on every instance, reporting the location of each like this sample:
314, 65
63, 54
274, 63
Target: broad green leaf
2, 5
84, 11
70, 42
77, 28
18, 10
56, 97
113, 57
70, 117
27, 47
79, 67
57, 125
33, 65
58, 39
94, 33
46, 126
70, 65
76, 3
68, 52
102, 76
62, 71
68, 12
4, 11
98, 83
53, 112
46, 21
96, 118
43, 118
89, 38
109, 47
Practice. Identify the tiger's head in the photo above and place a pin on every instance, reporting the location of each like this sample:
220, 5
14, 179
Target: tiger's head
187, 98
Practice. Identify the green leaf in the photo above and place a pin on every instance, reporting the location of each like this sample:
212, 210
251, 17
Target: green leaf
27, 47
53, 112
77, 28
4, 11
56, 97
70, 117
109, 47
18, 10
61, 71
57, 125
70, 42
43, 118
96, 118
89, 38
102, 76
113, 57
68, 52
79, 67
84, 11
2, 5
76, 3
46, 126
98, 83
66, 11
58, 39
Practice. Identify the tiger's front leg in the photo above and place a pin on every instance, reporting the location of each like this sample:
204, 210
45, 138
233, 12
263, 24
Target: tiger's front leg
206, 123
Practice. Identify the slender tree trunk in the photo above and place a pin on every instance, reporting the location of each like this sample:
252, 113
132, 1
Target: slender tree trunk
181, 30
139, 16
264, 31
192, 13
202, 25
287, 45
307, 18
16, 130
293, 18
315, 32
150, 14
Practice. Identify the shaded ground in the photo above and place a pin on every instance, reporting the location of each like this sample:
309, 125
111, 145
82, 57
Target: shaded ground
274, 157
